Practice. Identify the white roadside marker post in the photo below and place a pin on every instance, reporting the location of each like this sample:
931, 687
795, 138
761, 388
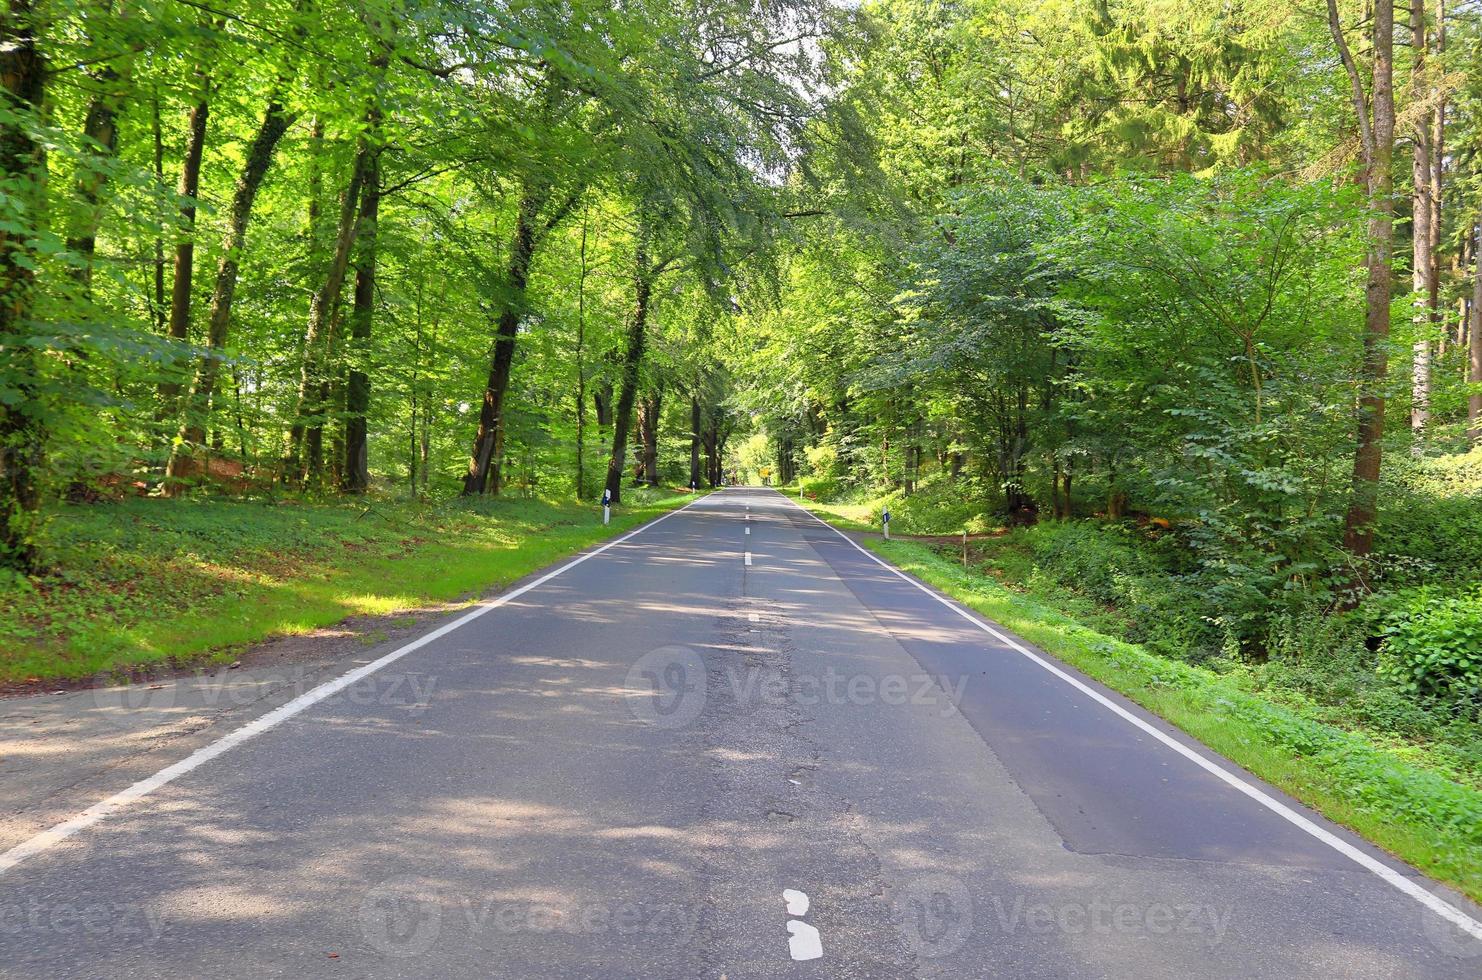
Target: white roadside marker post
885, 522
606, 506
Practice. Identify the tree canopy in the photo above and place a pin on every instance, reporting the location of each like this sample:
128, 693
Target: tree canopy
1081, 257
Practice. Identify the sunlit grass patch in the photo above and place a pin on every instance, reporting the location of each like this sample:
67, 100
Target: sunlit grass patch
147, 581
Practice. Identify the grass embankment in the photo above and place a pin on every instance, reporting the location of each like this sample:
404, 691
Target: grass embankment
147, 582
1420, 799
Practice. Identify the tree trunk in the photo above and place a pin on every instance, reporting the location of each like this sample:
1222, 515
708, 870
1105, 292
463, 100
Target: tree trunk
157, 305
333, 398
1422, 238
312, 375
712, 465
1438, 177
628, 392
100, 136
581, 365
275, 122
602, 404
185, 248
496, 468
1474, 343
23, 172
650, 430
695, 441
1358, 533
357, 383
638, 440
491, 415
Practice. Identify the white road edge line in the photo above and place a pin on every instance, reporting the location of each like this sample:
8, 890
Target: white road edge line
98, 811
1430, 900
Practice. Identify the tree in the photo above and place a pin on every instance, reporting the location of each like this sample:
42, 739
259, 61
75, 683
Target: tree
1474, 352
22, 171
1425, 196
357, 384
1376, 123
183, 280
276, 119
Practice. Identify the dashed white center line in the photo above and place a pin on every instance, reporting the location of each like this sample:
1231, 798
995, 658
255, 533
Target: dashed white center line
753, 617
748, 559
803, 941
748, 529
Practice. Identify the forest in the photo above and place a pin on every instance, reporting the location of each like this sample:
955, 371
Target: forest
1166, 317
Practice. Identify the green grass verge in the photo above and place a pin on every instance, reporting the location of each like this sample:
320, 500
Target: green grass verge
143, 582
1417, 814
849, 516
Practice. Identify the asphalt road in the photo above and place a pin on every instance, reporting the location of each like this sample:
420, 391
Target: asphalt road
619, 771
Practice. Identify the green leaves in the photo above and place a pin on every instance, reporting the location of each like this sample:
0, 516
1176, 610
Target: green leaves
1433, 645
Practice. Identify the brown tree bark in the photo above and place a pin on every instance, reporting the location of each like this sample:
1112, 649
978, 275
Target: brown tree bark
787, 463
357, 382
517, 275
1474, 343
1377, 128
185, 248
581, 365
157, 307
628, 389
22, 174
275, 122
638, 439
100, 136
695, 419
708, 439
602, 404
313, 376
650, 431
1438, 171
1423, 237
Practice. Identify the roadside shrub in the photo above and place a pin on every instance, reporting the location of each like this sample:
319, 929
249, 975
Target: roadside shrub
1304, 630
1093, 559
824, 488
1168, 616
1386, 708
1432, 644
939, 505
1115, 565
823, 460
1431, 526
